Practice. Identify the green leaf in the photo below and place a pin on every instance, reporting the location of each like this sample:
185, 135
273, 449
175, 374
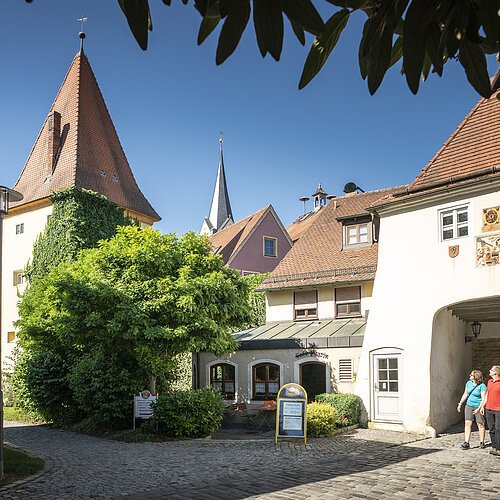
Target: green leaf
304, 14
238, 14
397, 51
379, 60
268, 22
474, 62
299, 32
139, 19
434, 48
209, 22
490, 19
323, 45
418, 16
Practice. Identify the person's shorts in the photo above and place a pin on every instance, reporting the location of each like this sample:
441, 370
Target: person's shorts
470, 416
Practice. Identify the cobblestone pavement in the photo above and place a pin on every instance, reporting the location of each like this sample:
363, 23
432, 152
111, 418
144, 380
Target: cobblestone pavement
358, 464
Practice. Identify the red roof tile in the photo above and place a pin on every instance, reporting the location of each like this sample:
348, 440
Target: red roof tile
227, 241
90, 156
318, 258
472, 148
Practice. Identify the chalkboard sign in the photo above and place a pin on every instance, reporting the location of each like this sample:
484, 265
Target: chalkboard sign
291, 418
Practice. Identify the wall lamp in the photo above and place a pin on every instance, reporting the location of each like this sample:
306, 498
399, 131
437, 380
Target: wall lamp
476, 330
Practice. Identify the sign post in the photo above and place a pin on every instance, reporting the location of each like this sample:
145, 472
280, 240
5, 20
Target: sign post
291, 416
142, 405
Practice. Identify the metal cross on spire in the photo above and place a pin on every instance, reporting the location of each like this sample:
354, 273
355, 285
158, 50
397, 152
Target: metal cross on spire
82, 21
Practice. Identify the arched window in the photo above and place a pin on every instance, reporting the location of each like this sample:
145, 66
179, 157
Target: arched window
222, 379
266, 381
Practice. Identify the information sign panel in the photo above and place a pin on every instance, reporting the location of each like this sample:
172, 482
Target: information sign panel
142, 405
291, 418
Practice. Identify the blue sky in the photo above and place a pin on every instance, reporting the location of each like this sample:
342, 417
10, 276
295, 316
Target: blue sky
170, 102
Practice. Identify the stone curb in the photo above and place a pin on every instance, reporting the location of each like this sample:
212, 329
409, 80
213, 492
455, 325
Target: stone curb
48, 466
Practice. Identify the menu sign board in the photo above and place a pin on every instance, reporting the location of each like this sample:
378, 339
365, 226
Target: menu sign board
291, 419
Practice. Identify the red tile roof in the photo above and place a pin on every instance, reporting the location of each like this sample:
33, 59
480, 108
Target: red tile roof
318, 258
227, 241
473, 148
90, 156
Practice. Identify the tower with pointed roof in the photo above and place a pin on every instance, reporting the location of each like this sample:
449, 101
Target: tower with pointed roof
77, 147
220, 215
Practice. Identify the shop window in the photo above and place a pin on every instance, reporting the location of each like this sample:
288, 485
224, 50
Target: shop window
222, 379
266, 381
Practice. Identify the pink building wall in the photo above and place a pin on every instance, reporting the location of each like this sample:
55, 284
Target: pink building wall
251, 256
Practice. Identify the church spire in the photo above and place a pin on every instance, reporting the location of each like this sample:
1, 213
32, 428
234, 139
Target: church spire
220, 215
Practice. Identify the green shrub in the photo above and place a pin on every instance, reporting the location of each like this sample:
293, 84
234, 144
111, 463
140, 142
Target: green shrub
103, 386
189, 414
320, 419
40, 385
348, 407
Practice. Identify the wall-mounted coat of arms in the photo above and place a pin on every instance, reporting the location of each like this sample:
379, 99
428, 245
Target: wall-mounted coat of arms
488, 250
491, 219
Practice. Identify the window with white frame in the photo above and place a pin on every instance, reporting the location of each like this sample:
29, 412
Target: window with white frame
270, 246
357, 234
348, 301
454, 223
345, 370
305, 304
18, 278
20, 228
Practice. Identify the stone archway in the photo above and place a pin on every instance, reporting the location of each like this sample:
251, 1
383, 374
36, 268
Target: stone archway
452, 357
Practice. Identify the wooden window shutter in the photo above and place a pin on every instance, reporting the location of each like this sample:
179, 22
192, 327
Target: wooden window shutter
306, 299
348, 293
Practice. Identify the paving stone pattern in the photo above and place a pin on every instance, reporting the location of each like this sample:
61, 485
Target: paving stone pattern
359, 464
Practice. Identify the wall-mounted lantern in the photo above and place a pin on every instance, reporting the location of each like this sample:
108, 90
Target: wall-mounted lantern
476, 330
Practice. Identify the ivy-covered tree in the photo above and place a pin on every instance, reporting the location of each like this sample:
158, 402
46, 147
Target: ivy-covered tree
118, 317
80, 219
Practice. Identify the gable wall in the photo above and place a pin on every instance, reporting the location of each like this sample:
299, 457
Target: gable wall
251, 256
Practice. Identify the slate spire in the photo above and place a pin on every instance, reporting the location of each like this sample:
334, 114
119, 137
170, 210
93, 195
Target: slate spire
220, 214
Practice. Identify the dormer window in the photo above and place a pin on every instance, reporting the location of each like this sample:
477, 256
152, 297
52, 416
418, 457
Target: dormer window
357, 234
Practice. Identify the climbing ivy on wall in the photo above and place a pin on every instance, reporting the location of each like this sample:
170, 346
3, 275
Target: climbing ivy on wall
80, 218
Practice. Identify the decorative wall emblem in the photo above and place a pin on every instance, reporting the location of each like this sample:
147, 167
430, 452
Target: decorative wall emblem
488, 250
491, 219
453, 251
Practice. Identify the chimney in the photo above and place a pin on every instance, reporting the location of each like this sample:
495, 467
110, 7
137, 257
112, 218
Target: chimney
54, 126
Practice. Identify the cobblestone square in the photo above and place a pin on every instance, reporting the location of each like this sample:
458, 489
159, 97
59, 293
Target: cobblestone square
362, 463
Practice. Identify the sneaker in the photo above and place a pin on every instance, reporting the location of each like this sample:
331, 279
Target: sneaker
465, 445
482, 445
493, 451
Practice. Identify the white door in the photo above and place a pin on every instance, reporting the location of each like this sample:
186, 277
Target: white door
387, 387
